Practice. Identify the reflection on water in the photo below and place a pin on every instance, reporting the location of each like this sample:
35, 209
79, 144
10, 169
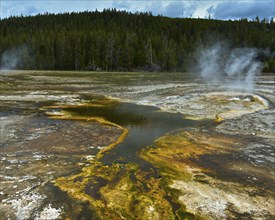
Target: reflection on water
145, 124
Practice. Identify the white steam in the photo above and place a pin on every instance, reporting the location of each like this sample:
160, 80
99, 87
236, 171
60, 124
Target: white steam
15, 58
234, 68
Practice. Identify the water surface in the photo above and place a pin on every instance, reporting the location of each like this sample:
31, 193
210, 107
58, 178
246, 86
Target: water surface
145, 124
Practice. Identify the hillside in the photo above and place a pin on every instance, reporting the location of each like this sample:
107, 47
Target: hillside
121, 41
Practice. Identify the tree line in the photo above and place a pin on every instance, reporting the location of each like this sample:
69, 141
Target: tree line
114, 40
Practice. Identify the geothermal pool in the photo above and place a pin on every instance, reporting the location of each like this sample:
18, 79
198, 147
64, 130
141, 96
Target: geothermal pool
83, 145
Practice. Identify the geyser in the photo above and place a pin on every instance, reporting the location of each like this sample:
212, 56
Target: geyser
235, 68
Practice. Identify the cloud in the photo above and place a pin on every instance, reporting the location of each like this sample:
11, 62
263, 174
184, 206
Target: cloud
179, 9
32, 7
174, 9
219, 9
242, 9
15, 8
31, 10
171, 8
121, 5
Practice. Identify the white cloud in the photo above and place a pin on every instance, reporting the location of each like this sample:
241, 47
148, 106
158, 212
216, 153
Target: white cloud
122, 5
174, 8
233, 9
179, 9
244, 9
31, 7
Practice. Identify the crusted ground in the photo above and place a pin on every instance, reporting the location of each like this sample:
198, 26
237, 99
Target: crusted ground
217, 171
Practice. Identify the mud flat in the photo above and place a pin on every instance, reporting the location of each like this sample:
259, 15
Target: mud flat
134, 146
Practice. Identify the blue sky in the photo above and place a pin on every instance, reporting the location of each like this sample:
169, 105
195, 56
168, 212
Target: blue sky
218, 9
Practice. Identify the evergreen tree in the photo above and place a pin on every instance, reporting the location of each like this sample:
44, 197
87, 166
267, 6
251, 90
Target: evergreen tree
118, 40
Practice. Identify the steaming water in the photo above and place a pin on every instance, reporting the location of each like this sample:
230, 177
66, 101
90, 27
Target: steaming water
236, 68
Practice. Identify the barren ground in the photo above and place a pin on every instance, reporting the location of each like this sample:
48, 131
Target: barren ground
221, 166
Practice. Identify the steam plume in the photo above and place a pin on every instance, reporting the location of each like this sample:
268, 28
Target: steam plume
15, 58
234, 68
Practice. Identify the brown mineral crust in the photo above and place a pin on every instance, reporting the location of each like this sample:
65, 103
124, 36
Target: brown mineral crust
178, 156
